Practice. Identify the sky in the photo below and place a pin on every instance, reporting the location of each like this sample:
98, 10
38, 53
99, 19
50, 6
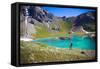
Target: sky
68, 12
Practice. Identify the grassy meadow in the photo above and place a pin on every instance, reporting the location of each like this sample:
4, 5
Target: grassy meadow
31, 52
42, 30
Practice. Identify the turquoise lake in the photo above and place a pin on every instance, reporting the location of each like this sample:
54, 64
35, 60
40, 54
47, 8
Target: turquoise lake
84, 43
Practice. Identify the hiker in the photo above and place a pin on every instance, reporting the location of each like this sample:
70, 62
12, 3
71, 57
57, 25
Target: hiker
70, 47
70, 38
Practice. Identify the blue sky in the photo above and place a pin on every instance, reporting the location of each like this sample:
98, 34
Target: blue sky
68, 12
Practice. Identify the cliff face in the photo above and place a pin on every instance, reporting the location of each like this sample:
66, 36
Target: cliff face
38, 13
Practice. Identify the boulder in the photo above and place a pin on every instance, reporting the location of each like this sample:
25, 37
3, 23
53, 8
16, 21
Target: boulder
62, 38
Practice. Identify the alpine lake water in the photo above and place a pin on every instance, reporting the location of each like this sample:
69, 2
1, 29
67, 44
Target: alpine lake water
78, 42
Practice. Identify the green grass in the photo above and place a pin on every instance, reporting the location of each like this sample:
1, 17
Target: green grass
42, 31
31, 52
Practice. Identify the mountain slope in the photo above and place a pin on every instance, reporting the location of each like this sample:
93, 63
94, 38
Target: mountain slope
41, 23
87, 20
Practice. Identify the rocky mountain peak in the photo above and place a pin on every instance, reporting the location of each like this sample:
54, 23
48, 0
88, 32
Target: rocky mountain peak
38, 14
